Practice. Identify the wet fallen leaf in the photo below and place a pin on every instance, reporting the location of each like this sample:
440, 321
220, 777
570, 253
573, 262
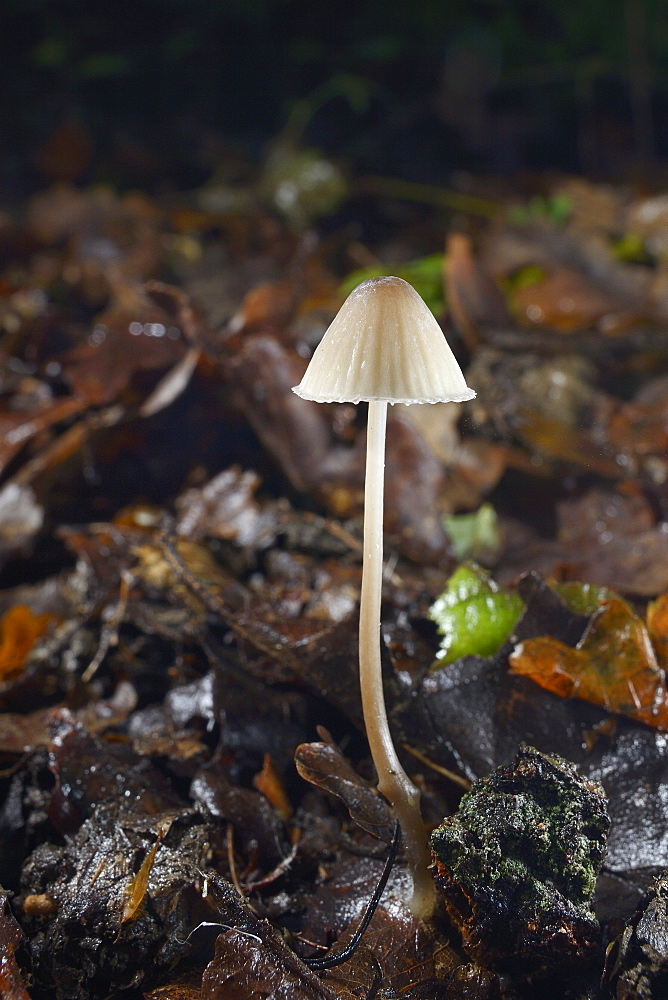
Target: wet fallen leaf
398, 953
226, 507
257, 827
547, 436
132, 335
243, 968
19, 426
324, 765
172, 385
293, 430
186, 986
607, 538
614, 666
21, 733
412, 522
265, 306
89, 770
136, 890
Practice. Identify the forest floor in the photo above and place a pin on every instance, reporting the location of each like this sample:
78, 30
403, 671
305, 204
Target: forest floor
188, 808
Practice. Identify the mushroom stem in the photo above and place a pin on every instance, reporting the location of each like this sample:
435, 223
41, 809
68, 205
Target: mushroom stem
393, 781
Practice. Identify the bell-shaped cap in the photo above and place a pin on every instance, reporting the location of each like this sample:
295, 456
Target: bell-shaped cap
384, 344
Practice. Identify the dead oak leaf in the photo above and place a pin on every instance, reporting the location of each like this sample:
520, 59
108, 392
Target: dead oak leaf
614, 665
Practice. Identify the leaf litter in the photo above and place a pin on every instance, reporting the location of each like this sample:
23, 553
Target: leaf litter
180, 544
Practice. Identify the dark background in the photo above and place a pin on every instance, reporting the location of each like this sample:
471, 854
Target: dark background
162, 92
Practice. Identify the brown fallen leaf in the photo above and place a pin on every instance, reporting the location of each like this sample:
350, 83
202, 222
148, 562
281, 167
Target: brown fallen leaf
245, 966
132, 335
404, 950
19, 631
270, 304
324, 765
19, 426
614, 666
294, 431
474, 299
137, 888
172, 385
552, 439
639, 429
604, 537
186, 986
269, 782
225, 507
568, 301
20, 734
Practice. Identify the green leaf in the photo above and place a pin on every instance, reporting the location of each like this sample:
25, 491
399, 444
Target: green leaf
425, 274
473, 615
476, 535
584, 598
555, 210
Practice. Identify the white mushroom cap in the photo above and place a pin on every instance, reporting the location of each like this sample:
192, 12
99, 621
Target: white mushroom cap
384, 344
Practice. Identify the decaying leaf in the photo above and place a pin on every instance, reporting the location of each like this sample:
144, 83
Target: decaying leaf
614, 666
268, 781
324, 765
136, 890
243, 968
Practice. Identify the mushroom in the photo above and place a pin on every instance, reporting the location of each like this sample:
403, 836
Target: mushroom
384, 346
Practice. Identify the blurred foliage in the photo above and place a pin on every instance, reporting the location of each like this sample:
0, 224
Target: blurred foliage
475, 535
536, 75
425, 275
631, 247
555, 210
